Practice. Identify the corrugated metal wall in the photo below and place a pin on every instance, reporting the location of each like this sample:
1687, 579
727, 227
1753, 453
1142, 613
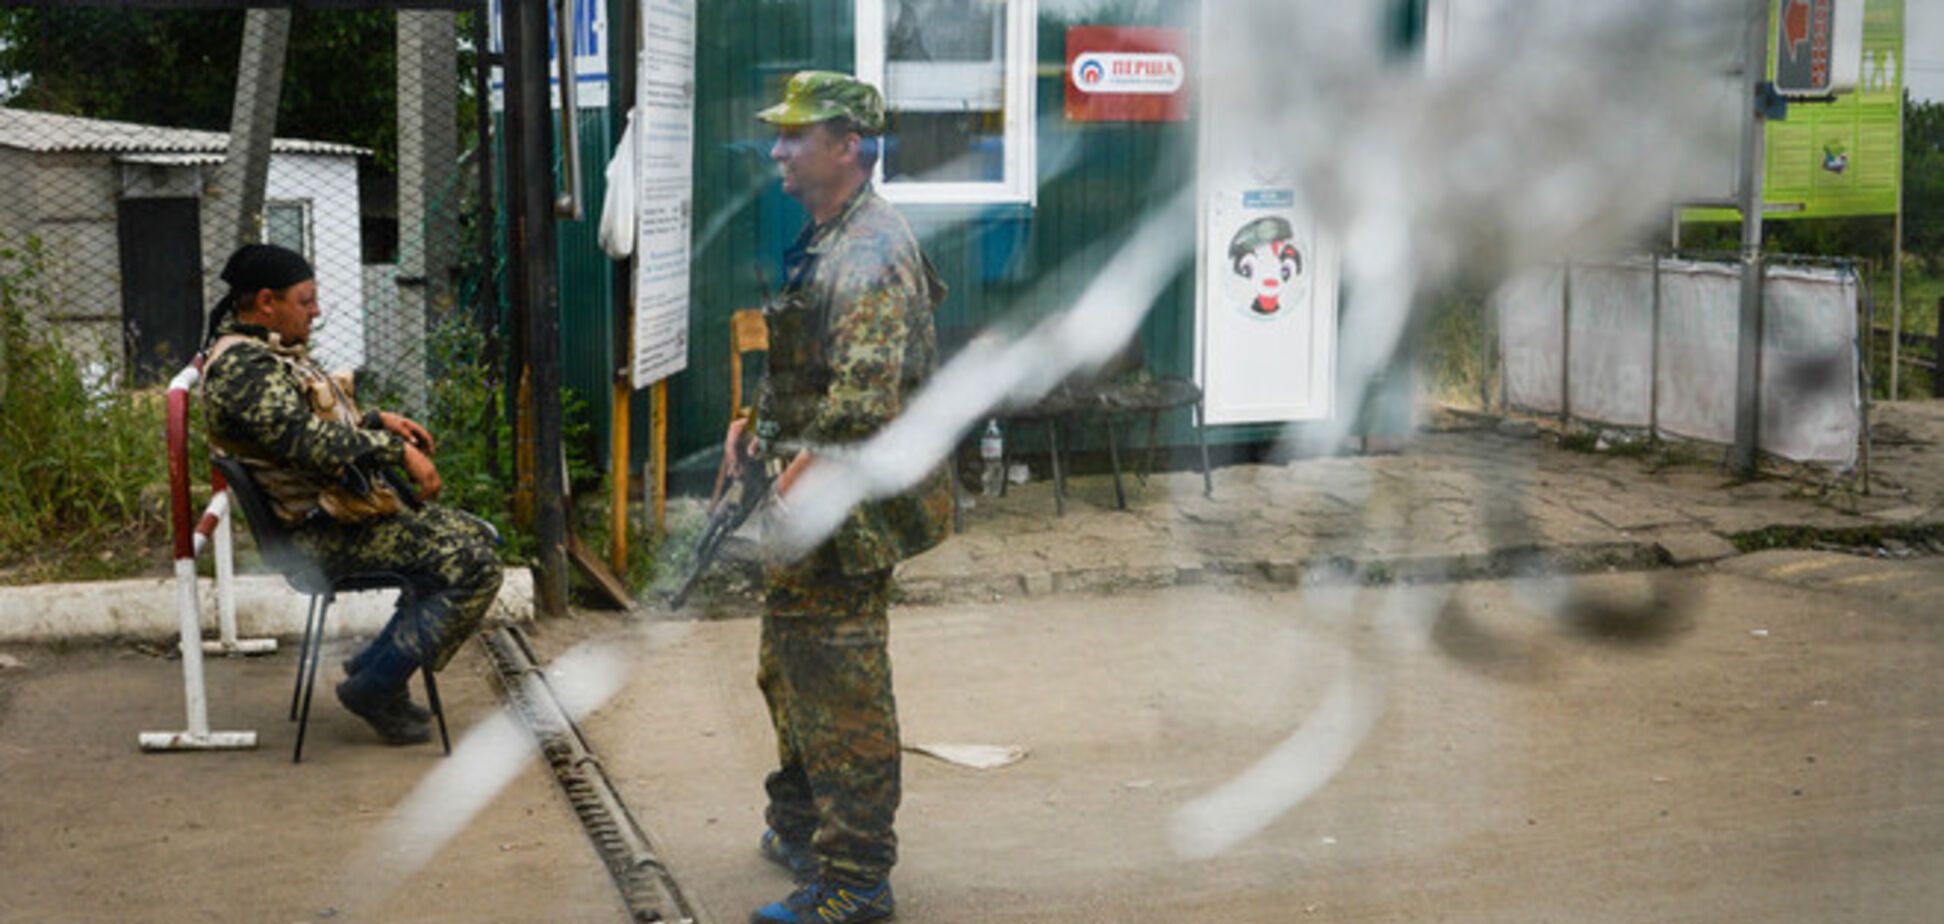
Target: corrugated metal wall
992, 257
1096, 179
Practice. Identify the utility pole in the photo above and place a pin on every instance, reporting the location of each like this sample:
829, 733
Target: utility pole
232, 212
529, 168
1896, 262
1748, 363
428, 91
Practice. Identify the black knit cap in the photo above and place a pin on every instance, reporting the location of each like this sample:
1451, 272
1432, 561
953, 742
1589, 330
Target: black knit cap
255, 267
251, 269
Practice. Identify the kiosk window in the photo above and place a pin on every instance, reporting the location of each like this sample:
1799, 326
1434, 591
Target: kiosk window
957, 78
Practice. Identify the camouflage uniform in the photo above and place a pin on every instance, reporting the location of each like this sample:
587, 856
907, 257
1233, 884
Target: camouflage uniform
298, 429
851, 340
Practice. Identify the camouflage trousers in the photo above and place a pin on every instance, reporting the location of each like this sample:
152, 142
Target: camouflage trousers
826, 673
448, 557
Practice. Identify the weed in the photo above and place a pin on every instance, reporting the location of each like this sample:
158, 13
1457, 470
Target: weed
82, 456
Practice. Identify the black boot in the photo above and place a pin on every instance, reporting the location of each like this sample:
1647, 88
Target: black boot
357, 662
377, 695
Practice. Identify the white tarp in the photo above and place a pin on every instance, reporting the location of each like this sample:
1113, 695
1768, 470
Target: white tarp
1810, 396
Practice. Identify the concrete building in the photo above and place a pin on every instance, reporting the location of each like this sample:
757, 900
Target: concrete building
115, 208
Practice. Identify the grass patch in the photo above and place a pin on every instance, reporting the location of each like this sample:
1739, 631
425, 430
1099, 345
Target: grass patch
1809, 537
84, 477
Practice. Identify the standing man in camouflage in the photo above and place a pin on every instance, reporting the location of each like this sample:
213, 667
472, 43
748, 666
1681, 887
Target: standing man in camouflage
851, 340
317, 459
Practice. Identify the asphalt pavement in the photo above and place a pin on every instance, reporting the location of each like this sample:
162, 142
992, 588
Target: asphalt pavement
1142, 658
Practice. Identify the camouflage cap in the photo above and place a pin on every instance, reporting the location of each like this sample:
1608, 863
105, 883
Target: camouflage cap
818, 96
1266, 230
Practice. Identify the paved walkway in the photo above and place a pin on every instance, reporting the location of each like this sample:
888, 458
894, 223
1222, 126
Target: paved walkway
1469, 497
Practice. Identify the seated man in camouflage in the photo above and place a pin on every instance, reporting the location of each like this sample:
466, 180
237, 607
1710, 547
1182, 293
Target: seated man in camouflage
295, 426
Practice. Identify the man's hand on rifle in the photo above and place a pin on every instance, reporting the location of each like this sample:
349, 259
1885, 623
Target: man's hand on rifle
735, 446
791, 473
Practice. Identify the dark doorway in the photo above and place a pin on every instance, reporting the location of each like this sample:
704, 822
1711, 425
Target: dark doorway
161, 284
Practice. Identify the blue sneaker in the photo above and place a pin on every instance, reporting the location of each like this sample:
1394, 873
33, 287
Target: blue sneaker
829, 903
790, 855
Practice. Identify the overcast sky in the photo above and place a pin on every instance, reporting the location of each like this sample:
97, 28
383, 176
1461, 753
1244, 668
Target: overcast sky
1923, 36
1924, 48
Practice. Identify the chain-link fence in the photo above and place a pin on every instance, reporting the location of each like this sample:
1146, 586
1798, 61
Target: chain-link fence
139, 146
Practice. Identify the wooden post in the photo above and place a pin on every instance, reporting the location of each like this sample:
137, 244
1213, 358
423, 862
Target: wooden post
618, 470
533, 267
626, 54
660, 455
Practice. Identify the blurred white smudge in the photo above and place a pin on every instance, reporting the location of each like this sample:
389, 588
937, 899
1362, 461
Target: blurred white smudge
1290, 773
1568, 133
1327, 738
486, 758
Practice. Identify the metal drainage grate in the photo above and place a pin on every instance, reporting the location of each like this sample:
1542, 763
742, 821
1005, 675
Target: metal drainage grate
647, 887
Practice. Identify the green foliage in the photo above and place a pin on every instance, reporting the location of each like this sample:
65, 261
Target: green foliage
467, 416
1452, 356
474, 436
173, 67
178, 68
1924, 183
85, 467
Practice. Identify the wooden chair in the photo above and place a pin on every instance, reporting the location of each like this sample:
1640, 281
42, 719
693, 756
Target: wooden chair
748, 333
280, 552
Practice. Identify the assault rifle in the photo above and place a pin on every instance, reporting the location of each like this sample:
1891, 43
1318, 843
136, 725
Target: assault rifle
727, 513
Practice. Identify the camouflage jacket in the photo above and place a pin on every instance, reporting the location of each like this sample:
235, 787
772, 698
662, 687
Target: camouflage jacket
295, 426
851, 340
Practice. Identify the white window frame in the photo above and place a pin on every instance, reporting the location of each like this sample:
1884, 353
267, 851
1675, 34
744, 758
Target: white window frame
1020, 181
303, 207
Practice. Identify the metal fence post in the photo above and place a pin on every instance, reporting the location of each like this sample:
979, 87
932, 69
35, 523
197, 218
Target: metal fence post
1653, 355
1566, 344
1937, 353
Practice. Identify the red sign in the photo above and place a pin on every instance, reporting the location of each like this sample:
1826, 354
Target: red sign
1126, 74
1804, 37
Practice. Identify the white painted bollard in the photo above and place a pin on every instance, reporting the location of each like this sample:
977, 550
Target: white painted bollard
188, 543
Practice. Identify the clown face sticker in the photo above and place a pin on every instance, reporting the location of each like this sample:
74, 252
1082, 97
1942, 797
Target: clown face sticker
1266, 262
1264, 255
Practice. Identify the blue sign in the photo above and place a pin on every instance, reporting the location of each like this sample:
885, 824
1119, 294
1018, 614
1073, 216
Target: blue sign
590, 54
1268, 198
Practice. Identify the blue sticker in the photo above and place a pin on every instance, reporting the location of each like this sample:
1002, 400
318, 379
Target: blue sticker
1268, 198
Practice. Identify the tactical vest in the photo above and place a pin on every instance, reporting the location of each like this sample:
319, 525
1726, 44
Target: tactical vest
876, 534
297, 496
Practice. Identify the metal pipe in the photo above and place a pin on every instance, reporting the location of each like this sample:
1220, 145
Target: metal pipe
1653, 354
1896, 272
1748, 361
225, 572
568, 204
1566, 344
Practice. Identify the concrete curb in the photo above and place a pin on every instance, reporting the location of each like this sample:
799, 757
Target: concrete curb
1572, 558
265, 606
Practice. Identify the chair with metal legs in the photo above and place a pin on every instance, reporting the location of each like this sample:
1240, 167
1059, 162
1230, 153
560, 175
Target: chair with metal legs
280, 552
1142, 394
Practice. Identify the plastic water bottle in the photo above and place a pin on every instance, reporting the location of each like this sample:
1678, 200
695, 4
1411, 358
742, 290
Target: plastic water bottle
992, 449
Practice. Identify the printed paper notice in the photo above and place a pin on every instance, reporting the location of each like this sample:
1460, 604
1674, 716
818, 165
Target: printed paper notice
665, 170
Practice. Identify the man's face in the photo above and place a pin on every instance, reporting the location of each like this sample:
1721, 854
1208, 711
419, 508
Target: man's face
290, 312
813, 159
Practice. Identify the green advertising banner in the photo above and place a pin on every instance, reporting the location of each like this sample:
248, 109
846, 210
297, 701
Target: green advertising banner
1845, 158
